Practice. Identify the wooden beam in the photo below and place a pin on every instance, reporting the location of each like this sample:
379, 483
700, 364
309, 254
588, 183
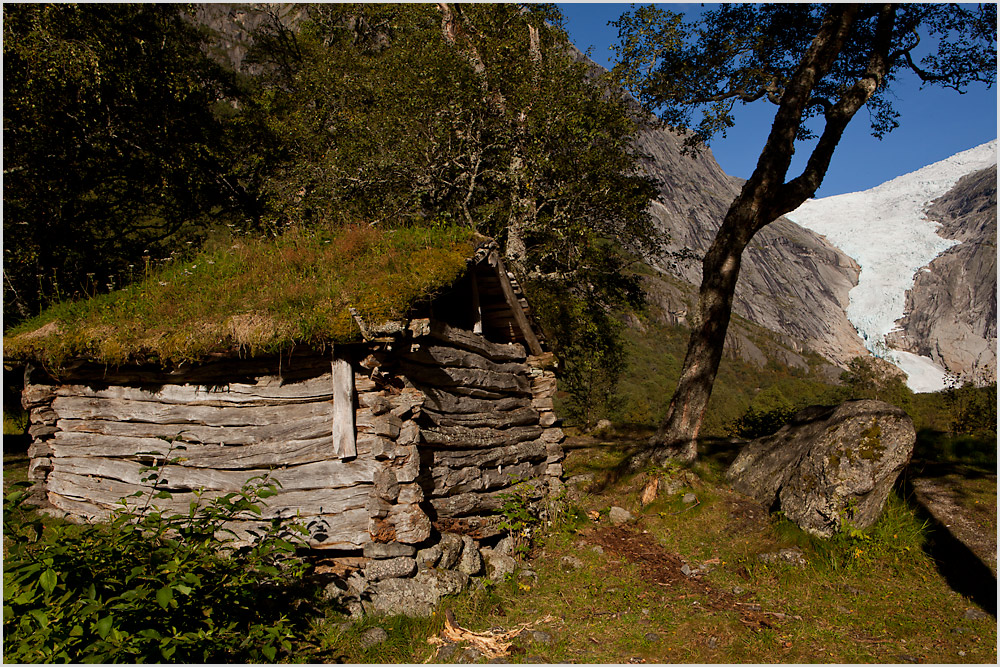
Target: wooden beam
344, 443
515, 306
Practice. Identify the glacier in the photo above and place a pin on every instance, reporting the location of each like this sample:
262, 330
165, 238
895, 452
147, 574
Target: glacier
884, 229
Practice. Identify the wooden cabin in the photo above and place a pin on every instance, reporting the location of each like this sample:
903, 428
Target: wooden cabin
416, 429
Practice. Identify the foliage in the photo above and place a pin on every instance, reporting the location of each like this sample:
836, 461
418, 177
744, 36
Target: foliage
756, 424
973, 409
401, 112
150, 587
742, 53
257, 296
519, 518
112, 153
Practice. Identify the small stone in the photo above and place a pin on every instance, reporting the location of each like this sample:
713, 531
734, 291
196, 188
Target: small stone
651, 637
505, 547
571, 563
961, 654
973, 614
469, 655
597, 549
619, 515
391, 568
689, 498
737, 590
498, 566
959, 630
471, 561
853, 590
373, 637
905, 657
388, 550
528, 574
446, 652
540, 637
451, 549
790, 556
686, 570
428, 557
645, 611
498, 661
712, 642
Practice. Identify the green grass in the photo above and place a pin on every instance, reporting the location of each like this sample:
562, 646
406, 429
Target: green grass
252, 296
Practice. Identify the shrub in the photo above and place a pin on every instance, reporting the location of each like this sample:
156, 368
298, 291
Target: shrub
757, 423
150, 587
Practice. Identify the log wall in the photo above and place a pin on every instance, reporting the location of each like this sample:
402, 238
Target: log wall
444, 423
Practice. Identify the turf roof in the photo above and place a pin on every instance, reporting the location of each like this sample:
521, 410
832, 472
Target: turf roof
251, 297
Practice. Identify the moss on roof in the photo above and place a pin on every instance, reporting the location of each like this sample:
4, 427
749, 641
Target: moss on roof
251, 297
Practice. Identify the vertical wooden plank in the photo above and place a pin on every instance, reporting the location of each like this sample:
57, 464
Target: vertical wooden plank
515, 306
344, 432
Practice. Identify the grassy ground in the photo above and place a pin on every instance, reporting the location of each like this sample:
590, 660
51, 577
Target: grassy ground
619, 594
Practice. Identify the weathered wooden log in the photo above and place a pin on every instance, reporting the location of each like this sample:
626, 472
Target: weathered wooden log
342, 531
535, 450
482, 503
232, 394
303, 429
322, 475
37, 395
77, 407
444, 401
458, 436
466, 378
475, 343
448, 481
109, 493
406, 465
492, 419
543, 387
441, 355
43, 415
198, 455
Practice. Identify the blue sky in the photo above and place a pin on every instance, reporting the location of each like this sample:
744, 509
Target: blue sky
934, 123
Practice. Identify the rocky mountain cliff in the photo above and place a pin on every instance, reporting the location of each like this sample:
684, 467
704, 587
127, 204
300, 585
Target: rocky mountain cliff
792, 281
951, 311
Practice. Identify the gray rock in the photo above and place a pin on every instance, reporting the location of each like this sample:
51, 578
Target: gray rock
570, 563
829, 467
597, 549
498, 565
619, 515
451, 549
419, 595
386, 485
790, 556
737, 590
973, 614
505, 547
446, 651
388, 550
527, 574
333, 591
689, 499
686, 570
540, 637
469, 656
428, 557
471, 561
651, 637
712, 642
392, 567
373, 637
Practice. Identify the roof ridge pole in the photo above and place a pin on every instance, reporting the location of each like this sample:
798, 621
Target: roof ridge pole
515, 306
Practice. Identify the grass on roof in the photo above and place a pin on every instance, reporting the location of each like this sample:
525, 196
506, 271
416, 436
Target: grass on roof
251, 297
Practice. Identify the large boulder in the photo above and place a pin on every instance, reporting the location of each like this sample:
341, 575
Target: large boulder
830, 467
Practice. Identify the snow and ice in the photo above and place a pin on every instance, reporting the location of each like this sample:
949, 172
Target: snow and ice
885, 231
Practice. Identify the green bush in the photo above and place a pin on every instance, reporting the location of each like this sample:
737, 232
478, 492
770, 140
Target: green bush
150, 587
756, 423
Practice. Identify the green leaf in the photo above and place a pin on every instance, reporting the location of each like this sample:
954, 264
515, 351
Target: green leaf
48, 580
164, 596
39, 616
104, 627
269, 652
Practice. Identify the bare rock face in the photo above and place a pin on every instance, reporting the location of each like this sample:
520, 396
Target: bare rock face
792, 281
951, 311
830, 466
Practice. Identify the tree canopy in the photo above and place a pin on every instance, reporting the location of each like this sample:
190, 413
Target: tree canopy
820, 65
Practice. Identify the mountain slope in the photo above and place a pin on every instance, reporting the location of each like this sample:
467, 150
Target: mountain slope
951, 311
885, 229
792, 281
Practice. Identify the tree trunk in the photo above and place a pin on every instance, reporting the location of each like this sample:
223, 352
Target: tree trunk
764, 198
